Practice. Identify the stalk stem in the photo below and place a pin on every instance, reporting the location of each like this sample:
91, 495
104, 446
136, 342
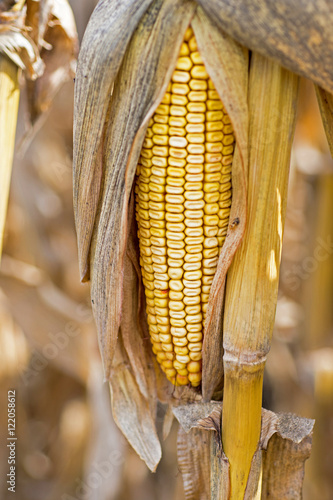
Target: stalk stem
9, 101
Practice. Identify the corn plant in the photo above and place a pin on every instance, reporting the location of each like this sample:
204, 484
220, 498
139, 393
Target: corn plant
184, 120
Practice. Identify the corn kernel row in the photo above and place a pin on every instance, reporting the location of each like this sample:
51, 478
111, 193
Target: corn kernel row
183, 197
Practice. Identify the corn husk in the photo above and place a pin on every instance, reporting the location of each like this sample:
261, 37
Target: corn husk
299, 38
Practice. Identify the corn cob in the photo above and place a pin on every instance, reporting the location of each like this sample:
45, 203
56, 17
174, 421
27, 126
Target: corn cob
183, 198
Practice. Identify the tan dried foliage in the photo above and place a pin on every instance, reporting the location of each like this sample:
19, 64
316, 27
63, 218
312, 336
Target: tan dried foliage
285, 444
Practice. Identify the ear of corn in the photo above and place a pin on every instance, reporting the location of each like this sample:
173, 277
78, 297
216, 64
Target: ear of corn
183, 198
9, 100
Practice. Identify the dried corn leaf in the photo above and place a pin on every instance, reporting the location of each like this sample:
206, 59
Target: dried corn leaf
103, 47
9, 101
131, 411
20, 48
227, 64
325, 101
285, 444
299, 35
285, 455
150, 60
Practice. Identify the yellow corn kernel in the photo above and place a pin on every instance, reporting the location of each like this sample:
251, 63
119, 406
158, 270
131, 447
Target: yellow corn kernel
183, 199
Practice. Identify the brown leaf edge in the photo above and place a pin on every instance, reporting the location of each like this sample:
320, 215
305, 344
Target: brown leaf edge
284, 446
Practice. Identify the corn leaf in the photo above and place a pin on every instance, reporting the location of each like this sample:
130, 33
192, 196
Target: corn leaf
9, 100
21, 49
285, 444
132, 412
140, 85
298, 35
103, 47
285, 455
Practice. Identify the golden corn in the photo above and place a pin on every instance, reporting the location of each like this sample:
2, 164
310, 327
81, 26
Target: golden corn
183, 198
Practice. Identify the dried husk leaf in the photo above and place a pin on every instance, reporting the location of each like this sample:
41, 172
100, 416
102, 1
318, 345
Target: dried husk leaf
140, 85
227, 64
132, 412
299, 35
325, 101
103, 47
285, 444
137, 347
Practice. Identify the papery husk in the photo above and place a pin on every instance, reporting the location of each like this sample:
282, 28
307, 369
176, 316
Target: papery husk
253, 278
227, 64
298, 35
132, 412
325, 101
103, 47
152, 52
278, 465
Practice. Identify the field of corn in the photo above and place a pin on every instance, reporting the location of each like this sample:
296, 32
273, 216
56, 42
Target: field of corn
162, 211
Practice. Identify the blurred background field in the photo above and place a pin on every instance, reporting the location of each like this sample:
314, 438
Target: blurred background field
68, 445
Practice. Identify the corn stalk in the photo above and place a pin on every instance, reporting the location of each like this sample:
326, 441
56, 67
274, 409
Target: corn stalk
132, 50
253, 278
9, 100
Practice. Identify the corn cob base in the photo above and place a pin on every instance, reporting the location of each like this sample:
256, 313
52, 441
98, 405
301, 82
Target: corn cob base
183, 198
